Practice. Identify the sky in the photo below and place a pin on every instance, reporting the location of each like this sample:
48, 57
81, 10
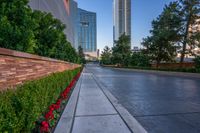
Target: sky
143, 12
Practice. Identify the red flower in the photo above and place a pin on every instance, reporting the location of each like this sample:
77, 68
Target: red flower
64, 95
51, 108
54, 107
49, 115
44, 127
59, 102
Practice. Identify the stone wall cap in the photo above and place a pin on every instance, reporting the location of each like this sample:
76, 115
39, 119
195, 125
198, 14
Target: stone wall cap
8, 52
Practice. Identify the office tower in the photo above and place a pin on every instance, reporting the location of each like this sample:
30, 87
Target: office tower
86, 25
122, 18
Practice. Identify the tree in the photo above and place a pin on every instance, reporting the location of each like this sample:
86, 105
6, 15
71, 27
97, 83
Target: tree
106, 56
162, 44
51, 40
122, 50
81, 55
190, 13
197, 62
49, 35
16, 26
34, 32
140, 60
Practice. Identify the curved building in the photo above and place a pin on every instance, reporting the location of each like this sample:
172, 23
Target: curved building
65, 11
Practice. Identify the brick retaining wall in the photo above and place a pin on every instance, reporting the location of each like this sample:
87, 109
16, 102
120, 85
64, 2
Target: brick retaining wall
18, 67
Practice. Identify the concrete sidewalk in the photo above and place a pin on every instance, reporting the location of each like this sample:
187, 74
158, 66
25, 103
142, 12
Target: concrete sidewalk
90, 110
94, 113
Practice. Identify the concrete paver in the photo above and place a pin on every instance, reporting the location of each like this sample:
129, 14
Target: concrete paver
94, 112
100, 124
92, 101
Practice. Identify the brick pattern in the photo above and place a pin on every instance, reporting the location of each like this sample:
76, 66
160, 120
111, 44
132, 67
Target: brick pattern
17, 67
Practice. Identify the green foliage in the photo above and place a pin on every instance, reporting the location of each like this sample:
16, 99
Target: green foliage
49, 34
16, 26
190, 10
140, 60
81, 55
197, 62
34, 32
20, 108
106, 56
161, 45
122, 51
121, 55
187, 70
172, 30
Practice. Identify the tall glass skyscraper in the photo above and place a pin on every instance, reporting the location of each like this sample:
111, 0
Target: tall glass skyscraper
87, 30
80, 24
122, 18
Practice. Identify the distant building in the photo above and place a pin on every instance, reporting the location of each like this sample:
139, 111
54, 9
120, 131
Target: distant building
64, 10
81, 29
87, 31
122, 18
136, 50
98, 53
74, 18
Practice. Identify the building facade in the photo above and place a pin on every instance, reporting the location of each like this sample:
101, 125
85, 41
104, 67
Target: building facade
81, 29
121, 18
87, 31
65, 11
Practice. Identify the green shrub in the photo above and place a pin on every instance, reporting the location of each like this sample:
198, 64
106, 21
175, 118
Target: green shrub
139, 60
35, 32
197, 62
20, 108
188, 70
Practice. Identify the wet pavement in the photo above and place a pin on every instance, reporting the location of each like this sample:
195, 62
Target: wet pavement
161, 103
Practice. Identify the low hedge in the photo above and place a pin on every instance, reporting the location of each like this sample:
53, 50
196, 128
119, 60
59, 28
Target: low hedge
20, 108
187, 70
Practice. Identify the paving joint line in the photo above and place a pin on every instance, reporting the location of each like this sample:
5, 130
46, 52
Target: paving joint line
76, 104
96, 115
131, 122
112, 105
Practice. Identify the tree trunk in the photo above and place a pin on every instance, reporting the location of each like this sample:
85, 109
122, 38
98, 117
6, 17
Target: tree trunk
157, 63
183, 52
185, 39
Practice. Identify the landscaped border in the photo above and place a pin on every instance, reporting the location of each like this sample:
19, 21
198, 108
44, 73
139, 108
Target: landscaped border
21, 109
49, 120
185, 70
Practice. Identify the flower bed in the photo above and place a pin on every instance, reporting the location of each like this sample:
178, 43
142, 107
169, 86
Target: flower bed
29, 108
49, 120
